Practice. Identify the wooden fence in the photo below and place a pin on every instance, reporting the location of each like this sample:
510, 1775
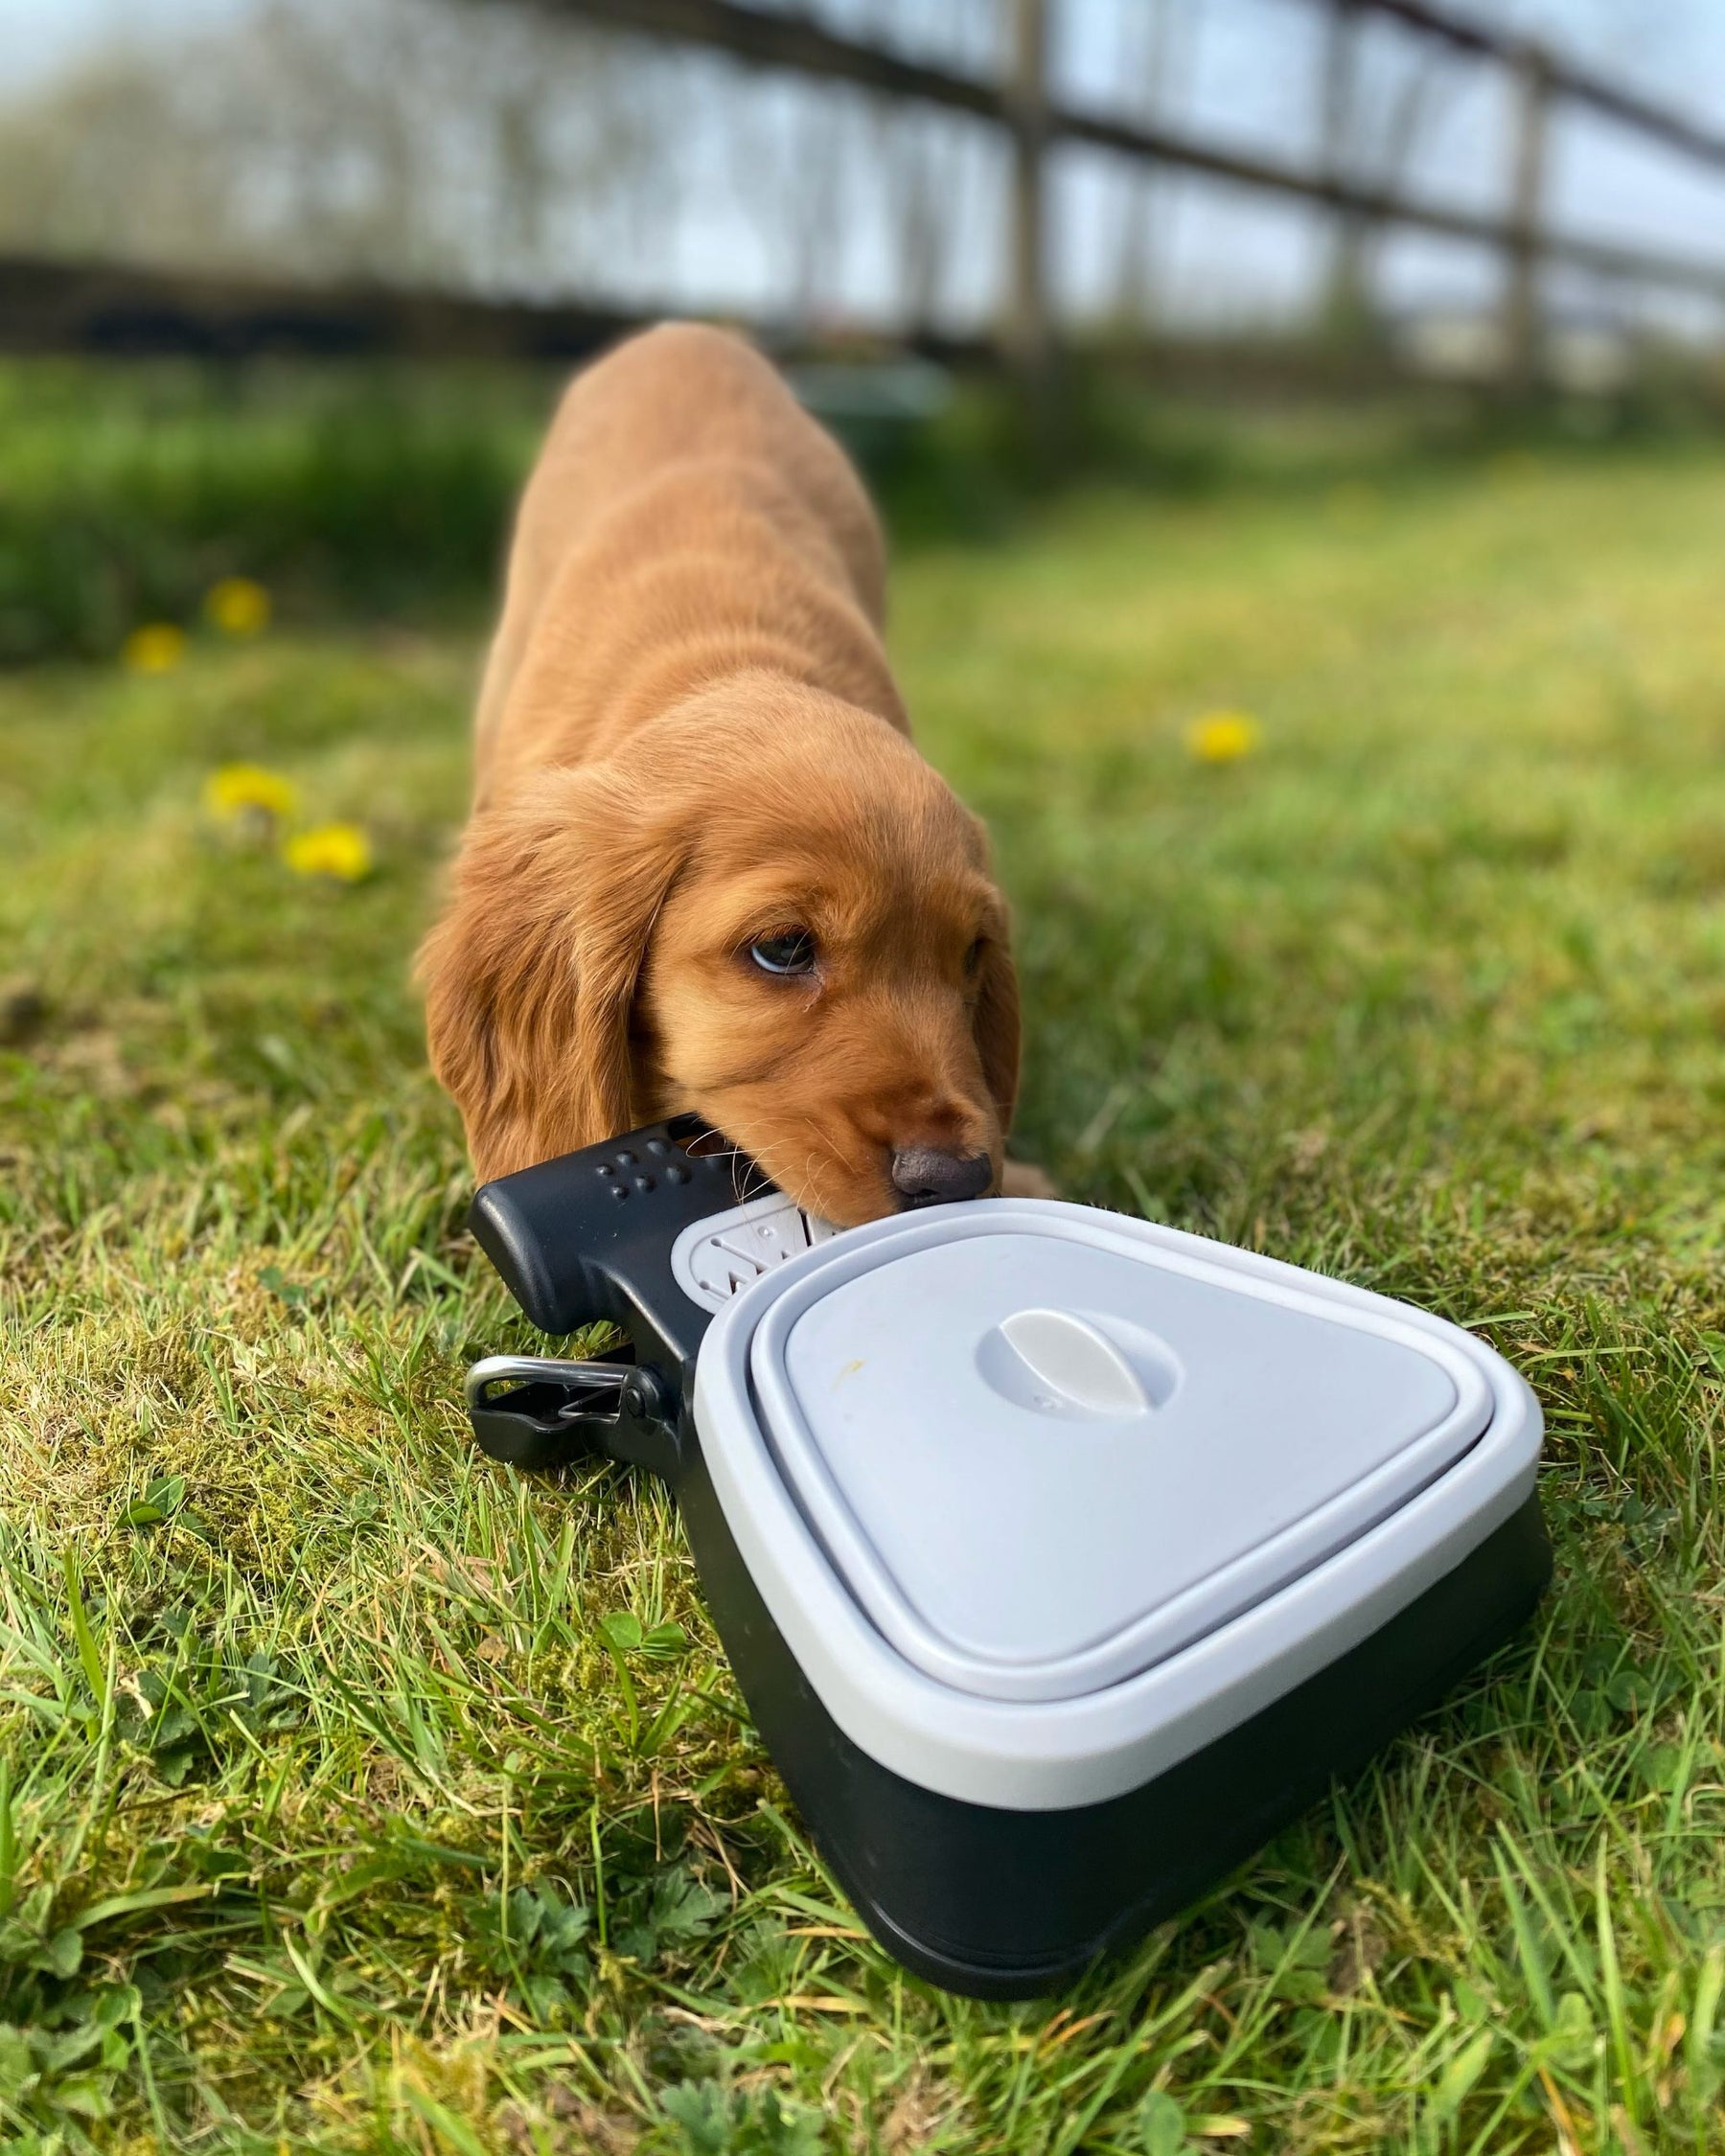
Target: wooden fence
1021, 103
55, 305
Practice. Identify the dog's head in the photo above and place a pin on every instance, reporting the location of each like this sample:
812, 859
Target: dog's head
774, 916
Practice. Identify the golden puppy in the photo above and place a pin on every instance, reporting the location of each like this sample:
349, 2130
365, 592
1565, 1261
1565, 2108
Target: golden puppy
707, 871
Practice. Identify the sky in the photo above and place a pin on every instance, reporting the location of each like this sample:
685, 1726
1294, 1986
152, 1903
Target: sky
39, 36
1235, 60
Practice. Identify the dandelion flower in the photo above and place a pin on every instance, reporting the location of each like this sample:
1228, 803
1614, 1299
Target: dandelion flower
157, 648
1223, 737
236, 607
340, 851
247, 792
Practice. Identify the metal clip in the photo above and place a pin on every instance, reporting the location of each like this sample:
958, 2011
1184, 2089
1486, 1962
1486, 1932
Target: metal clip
584, 1386
554, 1409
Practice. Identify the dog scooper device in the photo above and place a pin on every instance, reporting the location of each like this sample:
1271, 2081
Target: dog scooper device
1061, 1558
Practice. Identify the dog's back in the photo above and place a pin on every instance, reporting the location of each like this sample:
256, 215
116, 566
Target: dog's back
686, 518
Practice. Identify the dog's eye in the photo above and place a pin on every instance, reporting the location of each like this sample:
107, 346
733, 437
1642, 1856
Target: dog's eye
790, 951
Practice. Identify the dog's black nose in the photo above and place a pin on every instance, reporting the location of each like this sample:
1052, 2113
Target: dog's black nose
923, 1175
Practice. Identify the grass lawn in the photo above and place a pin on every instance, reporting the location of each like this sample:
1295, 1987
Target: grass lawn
360, 1794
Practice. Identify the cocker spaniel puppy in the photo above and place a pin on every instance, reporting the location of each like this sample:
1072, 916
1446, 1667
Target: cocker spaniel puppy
707, 871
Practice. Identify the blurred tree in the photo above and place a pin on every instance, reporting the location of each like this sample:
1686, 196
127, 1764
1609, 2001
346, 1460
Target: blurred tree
1378, 99
1153, 39
408, 140
928, 163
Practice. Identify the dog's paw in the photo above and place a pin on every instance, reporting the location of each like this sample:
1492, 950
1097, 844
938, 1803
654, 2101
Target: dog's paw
1020, 1179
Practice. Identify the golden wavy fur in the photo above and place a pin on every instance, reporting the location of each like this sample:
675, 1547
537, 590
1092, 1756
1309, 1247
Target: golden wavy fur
689, 743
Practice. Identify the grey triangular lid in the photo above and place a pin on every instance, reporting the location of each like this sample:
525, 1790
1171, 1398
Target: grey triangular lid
1043, 1455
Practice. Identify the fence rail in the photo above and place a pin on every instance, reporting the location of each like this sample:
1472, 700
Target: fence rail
52, 306
122, 312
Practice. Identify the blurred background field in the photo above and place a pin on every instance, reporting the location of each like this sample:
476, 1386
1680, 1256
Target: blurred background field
1322, 606
385, 490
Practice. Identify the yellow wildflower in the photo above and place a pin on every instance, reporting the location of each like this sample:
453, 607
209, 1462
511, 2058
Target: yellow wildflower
338, 850
236, 607
240, 793
1223, 737
157, 648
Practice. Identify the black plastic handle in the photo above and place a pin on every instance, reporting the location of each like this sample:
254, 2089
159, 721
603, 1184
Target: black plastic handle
587, 1239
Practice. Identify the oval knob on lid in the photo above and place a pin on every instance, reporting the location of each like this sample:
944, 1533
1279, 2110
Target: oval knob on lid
1071, 1358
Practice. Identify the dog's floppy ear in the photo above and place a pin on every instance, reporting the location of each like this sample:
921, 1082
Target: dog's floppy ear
997, 1024
531, 973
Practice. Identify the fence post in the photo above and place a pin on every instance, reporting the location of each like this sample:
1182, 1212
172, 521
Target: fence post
1532, 84
1029, 322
